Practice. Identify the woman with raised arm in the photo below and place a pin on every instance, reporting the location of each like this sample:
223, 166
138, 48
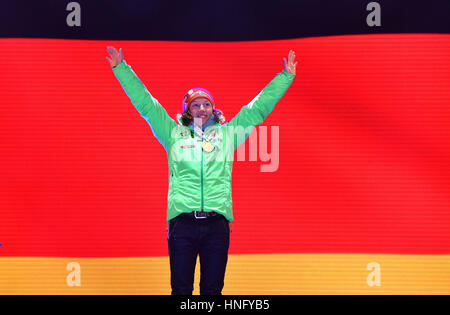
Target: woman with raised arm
200, 148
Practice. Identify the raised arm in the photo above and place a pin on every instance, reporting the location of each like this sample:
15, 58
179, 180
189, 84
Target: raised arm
149, 107
262, 105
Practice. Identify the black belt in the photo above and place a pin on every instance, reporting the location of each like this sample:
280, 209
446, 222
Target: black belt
199, 214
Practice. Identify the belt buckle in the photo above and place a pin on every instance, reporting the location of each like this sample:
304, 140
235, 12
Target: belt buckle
203, 214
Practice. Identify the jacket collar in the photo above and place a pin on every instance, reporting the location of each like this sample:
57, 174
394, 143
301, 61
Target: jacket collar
209, 125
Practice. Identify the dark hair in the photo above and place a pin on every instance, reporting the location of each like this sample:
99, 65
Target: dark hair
186, 117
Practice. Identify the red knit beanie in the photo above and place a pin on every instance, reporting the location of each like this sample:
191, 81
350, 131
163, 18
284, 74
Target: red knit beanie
194, 93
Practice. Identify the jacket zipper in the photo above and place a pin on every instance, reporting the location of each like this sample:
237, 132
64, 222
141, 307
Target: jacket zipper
201, 177
201, 170
201, 174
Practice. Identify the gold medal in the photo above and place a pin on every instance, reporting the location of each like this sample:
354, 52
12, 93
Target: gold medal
207, 146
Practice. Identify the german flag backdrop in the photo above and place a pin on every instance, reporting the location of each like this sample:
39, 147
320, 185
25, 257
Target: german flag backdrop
359, 202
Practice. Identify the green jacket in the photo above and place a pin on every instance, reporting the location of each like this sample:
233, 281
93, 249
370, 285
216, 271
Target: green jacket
199, 179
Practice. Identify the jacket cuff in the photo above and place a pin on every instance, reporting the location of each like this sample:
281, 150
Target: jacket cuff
287, 73
120, 66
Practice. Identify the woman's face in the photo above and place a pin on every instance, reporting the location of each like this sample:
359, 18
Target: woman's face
201, 110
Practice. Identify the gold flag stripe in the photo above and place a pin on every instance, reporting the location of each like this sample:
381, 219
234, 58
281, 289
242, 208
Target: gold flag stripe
246, 274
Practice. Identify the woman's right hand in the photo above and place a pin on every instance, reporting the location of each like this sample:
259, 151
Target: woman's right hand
116, 56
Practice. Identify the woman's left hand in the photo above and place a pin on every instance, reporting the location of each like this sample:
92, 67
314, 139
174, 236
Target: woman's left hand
289, 65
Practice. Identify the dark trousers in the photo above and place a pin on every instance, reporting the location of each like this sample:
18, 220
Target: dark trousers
189, 237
